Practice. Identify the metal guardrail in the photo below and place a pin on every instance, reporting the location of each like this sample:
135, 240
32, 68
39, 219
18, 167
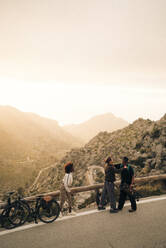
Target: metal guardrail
95, 187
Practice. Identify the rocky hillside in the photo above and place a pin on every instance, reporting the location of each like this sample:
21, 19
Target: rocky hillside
87, 130
29, 142
144, 142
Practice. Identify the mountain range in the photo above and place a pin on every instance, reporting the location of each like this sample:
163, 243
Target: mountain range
29, 142
143, 142
87, 130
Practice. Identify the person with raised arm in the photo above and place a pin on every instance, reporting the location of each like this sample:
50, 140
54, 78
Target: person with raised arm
108, 189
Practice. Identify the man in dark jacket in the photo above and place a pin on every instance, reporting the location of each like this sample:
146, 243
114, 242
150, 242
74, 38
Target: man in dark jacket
127, 180
109, 187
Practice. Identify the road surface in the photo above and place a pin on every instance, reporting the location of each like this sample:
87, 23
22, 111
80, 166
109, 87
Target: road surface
145, 228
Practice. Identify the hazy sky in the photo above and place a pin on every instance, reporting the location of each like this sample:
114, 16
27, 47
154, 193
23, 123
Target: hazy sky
70, 60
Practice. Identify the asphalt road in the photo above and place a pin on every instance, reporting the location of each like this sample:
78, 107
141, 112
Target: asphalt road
145, 228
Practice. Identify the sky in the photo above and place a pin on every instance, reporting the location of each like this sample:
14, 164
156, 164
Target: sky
71, 60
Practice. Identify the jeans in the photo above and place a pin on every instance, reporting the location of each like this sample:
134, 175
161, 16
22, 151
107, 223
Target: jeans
108, 190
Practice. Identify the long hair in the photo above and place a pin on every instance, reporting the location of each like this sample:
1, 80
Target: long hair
69, 167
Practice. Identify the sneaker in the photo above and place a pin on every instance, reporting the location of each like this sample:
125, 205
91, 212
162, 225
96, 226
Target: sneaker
115, 210
101, 208
131, 210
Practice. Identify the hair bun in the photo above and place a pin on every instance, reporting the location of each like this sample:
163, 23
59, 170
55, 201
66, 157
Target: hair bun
108, 160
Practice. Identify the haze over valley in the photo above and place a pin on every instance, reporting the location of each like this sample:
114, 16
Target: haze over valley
29, 142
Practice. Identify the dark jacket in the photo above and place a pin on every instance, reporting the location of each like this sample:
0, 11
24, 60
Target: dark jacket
126, 174
110, 173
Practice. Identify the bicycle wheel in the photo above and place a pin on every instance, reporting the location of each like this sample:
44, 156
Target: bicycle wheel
48, 211
15, 214
27, 211
5, 221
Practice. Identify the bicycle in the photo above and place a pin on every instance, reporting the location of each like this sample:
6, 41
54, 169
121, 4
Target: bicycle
46, 209
17, 213
12, 214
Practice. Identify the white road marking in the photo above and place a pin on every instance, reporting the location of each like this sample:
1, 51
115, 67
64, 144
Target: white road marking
28, 226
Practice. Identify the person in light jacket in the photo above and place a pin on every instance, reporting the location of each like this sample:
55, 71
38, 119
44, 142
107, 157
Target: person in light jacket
65, 192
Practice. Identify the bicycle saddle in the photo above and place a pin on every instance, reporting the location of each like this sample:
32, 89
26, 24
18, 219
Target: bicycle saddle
10, 193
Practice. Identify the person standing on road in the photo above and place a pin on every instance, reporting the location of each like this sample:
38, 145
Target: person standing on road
109, 187
65, 192
127, 181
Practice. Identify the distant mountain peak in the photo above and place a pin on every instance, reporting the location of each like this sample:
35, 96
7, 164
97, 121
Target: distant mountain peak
99, 123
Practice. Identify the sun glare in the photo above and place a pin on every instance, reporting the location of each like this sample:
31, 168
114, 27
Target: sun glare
74, 103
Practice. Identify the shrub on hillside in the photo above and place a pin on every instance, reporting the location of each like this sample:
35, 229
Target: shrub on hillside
155, 133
